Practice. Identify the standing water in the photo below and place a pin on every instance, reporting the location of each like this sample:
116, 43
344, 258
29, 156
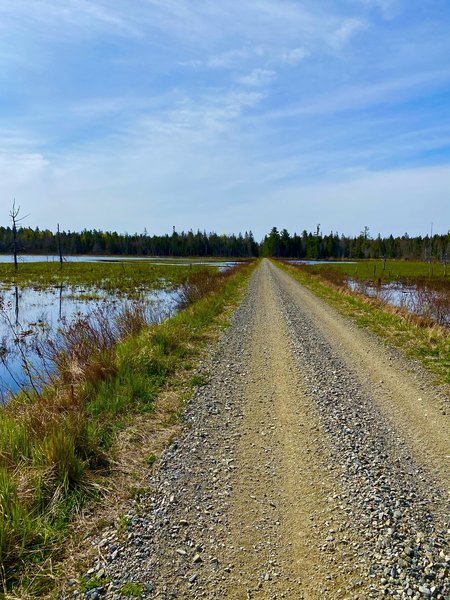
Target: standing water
167, 261
421, 300
29, 317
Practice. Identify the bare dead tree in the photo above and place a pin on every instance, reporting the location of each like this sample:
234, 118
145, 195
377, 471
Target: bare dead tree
446, 254
431, 243
14, 215
59, 248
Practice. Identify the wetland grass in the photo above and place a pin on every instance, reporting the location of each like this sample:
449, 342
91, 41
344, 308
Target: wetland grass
56, 445
384, 271
114, 276
400, 283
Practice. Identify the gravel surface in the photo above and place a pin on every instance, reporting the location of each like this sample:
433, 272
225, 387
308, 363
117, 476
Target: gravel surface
295, 476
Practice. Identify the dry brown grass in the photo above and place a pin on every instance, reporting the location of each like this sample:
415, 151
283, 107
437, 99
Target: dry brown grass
201, 283
337, 280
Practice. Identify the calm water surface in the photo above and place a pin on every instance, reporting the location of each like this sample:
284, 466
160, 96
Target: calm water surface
426, 302
28, 316
165, 260
321, 262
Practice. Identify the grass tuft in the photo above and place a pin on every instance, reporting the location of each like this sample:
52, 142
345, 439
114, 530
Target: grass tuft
132, 590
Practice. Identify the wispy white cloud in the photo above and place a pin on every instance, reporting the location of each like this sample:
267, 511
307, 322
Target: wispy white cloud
365, 95
238, 58
257, 78
388, 8
59, 19
388, 201
342, 35
200, 25
20, 172
229, 59
294, 56
16, 140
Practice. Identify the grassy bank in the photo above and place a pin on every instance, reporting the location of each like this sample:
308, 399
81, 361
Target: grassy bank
388, 271
56, 447
417, 337
117, 276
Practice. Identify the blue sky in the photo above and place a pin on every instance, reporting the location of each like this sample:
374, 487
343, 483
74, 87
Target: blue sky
226, 116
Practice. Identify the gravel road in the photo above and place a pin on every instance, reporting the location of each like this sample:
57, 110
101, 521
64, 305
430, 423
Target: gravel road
313, 464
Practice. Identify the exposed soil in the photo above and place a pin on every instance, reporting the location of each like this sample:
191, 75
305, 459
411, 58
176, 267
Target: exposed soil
313, 464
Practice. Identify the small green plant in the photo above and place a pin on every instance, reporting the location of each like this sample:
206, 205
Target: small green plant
91, 582
137, 491
123, 523
198, 380
132, 590
151, 459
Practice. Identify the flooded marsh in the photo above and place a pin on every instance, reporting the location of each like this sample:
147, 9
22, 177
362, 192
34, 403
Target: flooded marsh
422, 300
111, 274
30, 318
40, 303
420, 288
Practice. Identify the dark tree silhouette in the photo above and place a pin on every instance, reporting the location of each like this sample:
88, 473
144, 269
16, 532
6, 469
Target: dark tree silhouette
14, 214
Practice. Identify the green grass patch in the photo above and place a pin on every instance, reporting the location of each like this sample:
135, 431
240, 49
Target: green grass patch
418, 338
122, 524
386, 271
132, 590
151, 459
117, 276
198, 380
92, 582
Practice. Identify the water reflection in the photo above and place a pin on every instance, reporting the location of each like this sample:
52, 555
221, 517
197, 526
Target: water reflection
28, 317
16, 297
299, 261
421, 300
157, 260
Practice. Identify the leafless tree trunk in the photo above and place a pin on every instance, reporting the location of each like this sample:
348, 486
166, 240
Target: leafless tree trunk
431, 242
14, 214
59, 248
16, 305
60, 301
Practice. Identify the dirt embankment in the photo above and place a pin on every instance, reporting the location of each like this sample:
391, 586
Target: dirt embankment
308, 468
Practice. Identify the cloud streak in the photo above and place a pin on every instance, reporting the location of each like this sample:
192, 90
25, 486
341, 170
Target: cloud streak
257, 78
346, 31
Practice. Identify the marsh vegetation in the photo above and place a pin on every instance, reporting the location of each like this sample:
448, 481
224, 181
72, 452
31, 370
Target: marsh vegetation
84, 380
420, 288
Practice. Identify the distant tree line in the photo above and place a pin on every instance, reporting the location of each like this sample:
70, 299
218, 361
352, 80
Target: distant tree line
317, 246
44, 241
277, 243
